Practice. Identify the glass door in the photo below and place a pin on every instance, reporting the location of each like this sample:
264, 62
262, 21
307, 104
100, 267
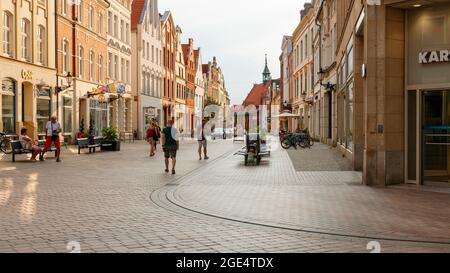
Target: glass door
436, 137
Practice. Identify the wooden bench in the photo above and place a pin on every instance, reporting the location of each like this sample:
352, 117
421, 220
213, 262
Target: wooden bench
84, 143
17, 149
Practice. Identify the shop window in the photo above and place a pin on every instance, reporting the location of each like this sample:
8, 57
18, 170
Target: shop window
127, 116
43, 108
8, 31
99, 116
349, 117
67, 114
8, 105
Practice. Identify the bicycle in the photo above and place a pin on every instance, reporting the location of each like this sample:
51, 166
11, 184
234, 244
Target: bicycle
5, 143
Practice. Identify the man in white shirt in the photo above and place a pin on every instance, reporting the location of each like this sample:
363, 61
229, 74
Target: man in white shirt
53, 129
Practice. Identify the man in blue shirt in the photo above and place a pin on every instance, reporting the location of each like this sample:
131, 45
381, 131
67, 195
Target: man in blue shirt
170, 144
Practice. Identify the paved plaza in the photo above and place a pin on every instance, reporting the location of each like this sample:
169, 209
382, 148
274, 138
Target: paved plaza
123, 202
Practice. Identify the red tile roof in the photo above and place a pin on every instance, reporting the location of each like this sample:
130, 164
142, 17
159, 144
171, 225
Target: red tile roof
137, 8
257, 94
205, 68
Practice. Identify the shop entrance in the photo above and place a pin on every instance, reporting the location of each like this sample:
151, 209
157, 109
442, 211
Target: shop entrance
436, 137
28, 109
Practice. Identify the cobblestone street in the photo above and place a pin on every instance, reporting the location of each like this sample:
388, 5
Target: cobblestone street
123, 202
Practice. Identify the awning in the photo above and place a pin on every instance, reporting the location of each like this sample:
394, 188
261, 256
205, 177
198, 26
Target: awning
287, 115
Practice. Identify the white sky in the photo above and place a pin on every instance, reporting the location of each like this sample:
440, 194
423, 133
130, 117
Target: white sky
238, 33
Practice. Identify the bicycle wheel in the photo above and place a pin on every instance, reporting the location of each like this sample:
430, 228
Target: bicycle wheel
311, 141
286, 143
5, 146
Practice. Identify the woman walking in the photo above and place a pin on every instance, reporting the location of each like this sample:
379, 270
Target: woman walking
152, 138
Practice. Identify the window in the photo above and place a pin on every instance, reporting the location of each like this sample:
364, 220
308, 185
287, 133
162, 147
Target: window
99, 115
127, 33
8, 109
43, 103
116, 67
80, 11
116, 19
148, 51
109, 23
349, 117
306, 46
350, 59
100, 23
153, 54
127, 115
91, 17
64, 7
143, 83
80, 62
128, 71
26, 39
91, 65
122, 70
122, 30
67, 114
41, 46
301, 51
65, 56
100, 68
8, 33
110, 65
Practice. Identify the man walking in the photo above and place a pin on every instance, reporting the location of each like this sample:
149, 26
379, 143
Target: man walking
53, 129
202, 142
170, 144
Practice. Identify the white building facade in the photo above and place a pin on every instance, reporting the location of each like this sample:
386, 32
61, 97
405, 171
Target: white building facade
119, 63
147, 69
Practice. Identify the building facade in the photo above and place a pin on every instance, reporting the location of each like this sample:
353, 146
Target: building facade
119, 64
169, 45
191, 71
199, 101
302, 51
285, 92
147, 69
180, 109
27, 66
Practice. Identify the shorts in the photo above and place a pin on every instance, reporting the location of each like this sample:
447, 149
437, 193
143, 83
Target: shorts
151, 141
170, 152
49, 141
202, 143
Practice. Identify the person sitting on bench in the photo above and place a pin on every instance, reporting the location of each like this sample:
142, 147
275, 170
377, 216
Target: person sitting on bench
27, 144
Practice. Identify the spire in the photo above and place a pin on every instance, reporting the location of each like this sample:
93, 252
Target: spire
266, 73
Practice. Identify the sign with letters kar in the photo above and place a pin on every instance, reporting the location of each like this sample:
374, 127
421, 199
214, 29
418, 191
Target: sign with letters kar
435, 56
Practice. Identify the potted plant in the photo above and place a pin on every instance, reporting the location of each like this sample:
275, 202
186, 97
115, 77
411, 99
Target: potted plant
111, 139
81, 133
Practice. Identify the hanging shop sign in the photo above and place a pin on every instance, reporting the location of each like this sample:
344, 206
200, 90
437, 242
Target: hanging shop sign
435, 56
113, 88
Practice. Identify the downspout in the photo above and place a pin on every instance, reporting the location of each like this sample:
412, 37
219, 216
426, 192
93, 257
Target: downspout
56, 58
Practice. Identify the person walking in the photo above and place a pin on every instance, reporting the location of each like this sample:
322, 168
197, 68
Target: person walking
170, 144
151, 138
158, 134
202, 142
53, 129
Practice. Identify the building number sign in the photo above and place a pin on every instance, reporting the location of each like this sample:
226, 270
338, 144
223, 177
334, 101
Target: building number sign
27, 75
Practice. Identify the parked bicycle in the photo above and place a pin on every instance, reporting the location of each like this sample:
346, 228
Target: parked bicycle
5, 143
296, 139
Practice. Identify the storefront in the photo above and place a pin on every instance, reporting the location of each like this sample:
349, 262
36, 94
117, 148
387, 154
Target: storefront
427, 99
27, 97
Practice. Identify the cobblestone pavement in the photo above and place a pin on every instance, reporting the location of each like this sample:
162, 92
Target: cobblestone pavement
122, 202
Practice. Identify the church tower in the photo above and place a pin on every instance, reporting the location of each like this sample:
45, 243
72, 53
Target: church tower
266, 73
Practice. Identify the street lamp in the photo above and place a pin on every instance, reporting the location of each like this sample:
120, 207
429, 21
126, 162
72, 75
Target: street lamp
328, 86
69, 79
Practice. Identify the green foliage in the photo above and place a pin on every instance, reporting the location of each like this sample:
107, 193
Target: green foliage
110, 134
91, 127
82, 126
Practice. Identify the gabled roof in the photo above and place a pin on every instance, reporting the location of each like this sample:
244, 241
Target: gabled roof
256, 95
196, 56
185, 49
165, 16
137, 12
205, 68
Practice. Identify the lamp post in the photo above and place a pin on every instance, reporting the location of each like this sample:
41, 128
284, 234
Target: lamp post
328, 86
69, 80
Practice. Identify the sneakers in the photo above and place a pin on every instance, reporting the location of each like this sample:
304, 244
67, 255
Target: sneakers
206, 158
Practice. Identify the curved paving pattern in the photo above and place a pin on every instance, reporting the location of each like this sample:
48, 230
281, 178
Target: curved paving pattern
327, 202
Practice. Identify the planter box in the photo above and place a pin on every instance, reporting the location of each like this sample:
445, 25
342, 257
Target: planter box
115, 146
